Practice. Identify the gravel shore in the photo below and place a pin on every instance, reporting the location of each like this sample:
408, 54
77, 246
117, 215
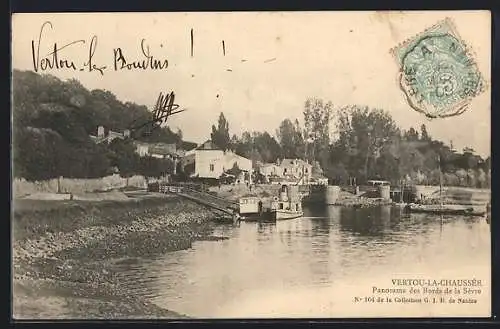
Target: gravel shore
63, 252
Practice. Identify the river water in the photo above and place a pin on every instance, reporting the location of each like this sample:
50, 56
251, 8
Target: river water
316, 265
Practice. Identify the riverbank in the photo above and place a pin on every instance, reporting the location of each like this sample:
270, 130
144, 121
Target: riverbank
266, 192
64, 253
450, 195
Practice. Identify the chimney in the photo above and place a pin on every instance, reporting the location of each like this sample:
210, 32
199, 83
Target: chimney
126, 133
100, 131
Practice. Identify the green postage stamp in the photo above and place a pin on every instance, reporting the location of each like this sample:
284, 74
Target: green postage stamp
438, 74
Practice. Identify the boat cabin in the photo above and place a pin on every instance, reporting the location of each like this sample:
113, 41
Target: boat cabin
289, 199
250, 205
286, 205
375, 183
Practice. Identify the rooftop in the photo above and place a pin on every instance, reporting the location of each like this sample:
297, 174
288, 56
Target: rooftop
293, 162
208, 145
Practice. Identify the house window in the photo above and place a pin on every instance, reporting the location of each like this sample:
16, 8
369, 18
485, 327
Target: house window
212, 167
306, 170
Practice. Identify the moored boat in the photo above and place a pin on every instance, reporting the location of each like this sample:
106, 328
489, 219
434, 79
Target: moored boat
288, 205
279, 214
445, 209
251, 209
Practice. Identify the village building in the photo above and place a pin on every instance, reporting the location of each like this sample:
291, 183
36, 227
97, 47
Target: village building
160, 151
296, 170
156, 150
209, 161
103, 137
270, 170
291, 170
141, 148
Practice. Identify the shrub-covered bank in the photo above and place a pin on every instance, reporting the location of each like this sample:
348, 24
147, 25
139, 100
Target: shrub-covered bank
63, 252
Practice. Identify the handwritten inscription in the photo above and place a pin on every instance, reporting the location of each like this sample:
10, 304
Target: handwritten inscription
51, 60
56, 59
149, 62
164, 108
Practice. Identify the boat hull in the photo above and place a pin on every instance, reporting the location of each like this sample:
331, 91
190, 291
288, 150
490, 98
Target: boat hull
445, 210
284, 214
256, 217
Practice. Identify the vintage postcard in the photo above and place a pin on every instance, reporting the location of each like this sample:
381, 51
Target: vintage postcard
251, 165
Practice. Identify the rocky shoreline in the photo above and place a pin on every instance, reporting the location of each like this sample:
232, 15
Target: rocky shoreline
63, 254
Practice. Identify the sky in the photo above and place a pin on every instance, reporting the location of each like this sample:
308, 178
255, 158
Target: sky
273, 62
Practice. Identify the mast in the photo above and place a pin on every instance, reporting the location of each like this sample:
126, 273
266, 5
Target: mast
440, 182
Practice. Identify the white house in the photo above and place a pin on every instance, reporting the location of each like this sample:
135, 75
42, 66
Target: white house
158, 150
270, 169
294, 170
231, 158
209, 161
142, 148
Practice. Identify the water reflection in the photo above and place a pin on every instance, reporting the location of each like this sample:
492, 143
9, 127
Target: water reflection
366, 221
327, 249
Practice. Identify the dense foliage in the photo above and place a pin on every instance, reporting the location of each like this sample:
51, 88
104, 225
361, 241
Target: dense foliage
52, 121
367, 144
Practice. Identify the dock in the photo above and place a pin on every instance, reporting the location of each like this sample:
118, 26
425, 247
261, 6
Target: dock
225, 206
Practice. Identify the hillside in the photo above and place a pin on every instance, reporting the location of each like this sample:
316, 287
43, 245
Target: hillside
52, 121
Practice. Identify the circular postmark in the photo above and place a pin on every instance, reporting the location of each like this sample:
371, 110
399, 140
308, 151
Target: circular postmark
438, 76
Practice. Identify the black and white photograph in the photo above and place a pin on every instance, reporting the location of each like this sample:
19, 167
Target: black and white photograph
251, 165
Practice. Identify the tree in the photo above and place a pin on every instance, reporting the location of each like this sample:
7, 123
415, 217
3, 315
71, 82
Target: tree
286, 135
363, 133
462, 177
124, 157
235, 170
451, 179
300, 141
291, 139
481, 178
154, 167
37, 154
387, 166
258, 146
97, 160
234, 143
411, 135
267, 146
220, 134
316, 169
411, 161
424, 135
52, 120
317, 116
338, 173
